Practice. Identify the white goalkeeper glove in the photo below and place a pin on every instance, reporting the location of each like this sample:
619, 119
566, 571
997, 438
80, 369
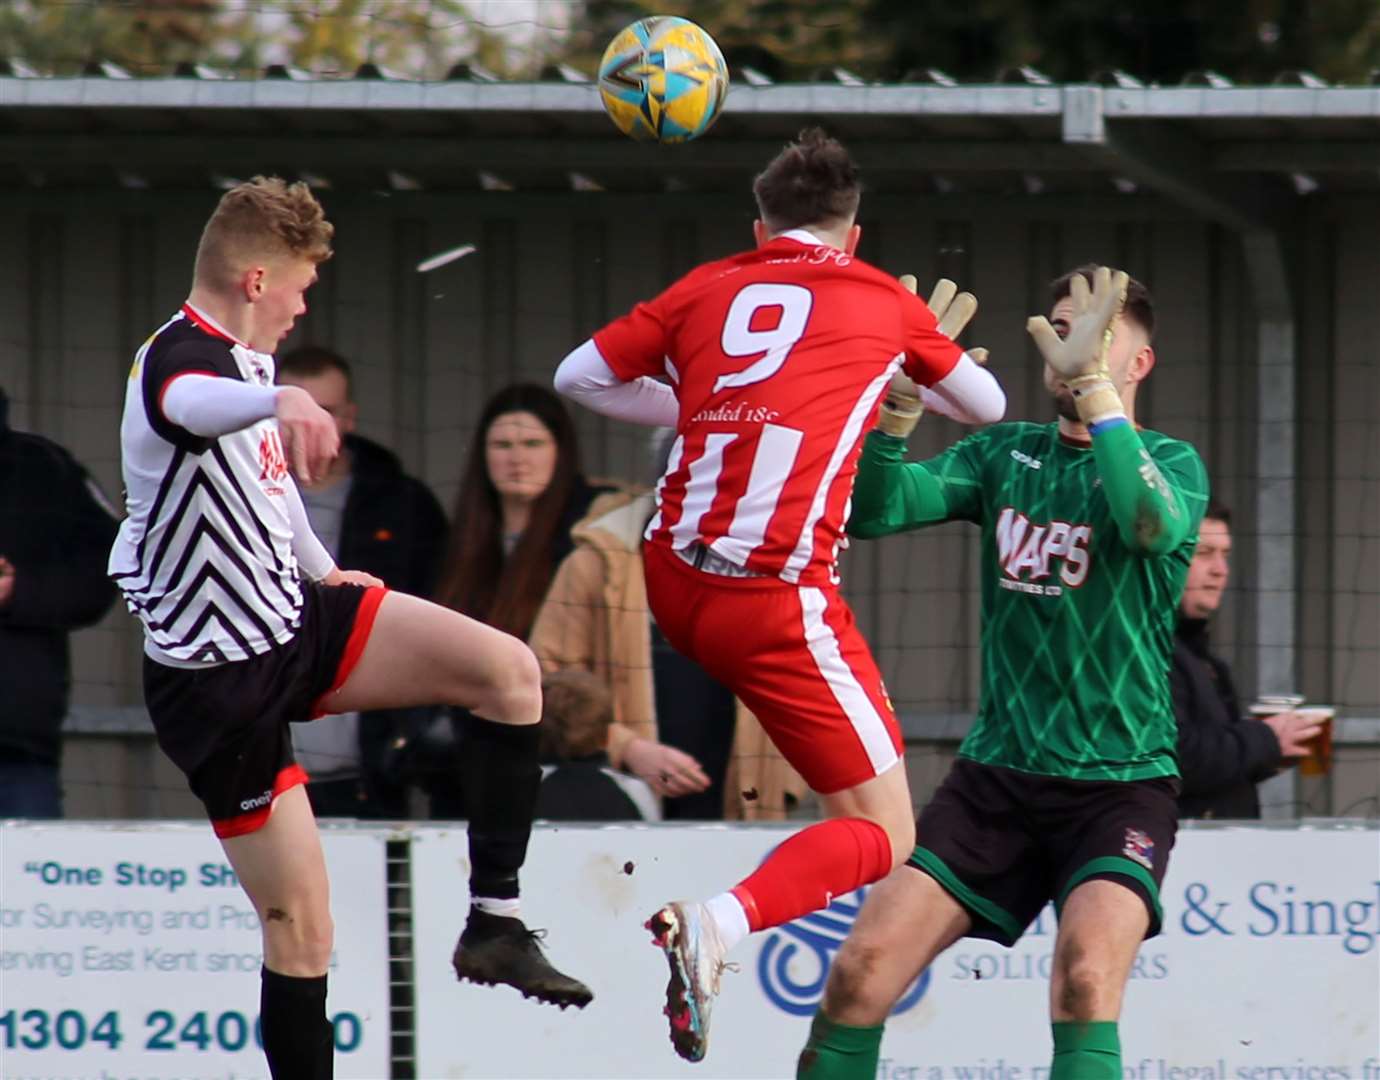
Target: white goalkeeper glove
1081, 357
901, 408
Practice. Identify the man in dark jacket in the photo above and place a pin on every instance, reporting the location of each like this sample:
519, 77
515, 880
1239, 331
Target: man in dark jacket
1223, 753
372, 516
55, 535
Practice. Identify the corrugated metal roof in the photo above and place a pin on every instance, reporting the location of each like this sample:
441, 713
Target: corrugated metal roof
1023, 133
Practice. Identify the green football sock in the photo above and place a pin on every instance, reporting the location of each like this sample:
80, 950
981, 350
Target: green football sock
1090, 1051
839, 1052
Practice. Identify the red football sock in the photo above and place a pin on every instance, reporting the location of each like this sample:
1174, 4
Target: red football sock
811, 868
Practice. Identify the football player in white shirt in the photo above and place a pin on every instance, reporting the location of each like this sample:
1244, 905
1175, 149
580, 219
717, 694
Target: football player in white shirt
249, 625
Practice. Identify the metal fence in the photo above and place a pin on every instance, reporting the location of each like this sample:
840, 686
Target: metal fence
1266, 358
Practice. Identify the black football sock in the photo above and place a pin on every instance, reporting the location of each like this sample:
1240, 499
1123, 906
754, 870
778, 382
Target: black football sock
500, 778
298, 1040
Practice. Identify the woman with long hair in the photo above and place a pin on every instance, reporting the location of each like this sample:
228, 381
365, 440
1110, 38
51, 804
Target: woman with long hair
521, 493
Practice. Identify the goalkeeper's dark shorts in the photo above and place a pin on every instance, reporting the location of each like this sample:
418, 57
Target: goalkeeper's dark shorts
1005, 843
226, 727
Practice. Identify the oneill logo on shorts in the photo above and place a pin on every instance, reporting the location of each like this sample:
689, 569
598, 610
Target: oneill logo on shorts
257, 801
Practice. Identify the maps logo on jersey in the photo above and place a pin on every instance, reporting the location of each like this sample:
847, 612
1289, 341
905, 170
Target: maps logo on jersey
1028, 553
793, 965
273, 468
1139, 848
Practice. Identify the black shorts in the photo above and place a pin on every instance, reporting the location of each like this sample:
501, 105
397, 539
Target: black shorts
226, 727
1005, 843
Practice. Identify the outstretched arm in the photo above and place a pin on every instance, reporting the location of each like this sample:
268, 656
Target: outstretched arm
586, 377
892, 495
210, 406
967, 392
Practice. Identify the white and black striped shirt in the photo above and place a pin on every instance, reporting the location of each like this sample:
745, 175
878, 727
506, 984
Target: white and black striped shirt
205, 557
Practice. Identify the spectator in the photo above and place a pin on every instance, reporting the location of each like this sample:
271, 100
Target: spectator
521, 492
372, 516
56, 529
675, 727
577, 783
1223, 753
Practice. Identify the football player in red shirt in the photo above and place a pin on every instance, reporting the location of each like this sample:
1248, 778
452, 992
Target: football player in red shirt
775, 361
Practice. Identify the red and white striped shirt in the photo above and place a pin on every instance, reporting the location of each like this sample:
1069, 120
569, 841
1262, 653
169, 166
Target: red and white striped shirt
779, 357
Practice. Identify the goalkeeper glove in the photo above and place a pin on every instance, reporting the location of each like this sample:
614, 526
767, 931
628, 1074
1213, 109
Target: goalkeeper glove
901, 408
1081, 357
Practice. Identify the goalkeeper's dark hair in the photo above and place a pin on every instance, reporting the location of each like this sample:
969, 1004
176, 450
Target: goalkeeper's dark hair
1217, 511
308, 360
1140, 305
813, 181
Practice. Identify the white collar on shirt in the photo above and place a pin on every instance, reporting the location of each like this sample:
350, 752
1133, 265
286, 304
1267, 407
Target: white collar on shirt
801, 236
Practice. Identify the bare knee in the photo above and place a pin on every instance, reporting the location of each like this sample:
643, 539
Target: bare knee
1078, 995
297, 941
1083, 993
850, 995
512, 692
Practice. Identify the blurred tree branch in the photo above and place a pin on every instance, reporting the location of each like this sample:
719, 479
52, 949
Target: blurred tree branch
1250, 41
418, 38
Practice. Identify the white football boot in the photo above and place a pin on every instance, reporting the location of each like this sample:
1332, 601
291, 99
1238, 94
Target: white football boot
689, 937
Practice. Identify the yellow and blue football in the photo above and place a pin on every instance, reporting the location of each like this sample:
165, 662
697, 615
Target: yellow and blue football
663, 78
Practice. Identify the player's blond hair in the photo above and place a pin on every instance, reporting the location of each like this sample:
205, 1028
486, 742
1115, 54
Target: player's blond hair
261, 220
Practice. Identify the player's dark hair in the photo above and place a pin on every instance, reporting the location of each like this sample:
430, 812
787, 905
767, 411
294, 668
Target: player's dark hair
812, 181
476, 578
577, 710
1217, 511
309, 360
1140, 305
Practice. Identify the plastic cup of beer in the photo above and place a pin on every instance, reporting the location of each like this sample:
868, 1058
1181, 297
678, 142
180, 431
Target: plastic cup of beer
1318, 760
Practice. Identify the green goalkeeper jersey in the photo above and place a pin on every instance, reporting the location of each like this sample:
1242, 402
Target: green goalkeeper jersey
1084, 554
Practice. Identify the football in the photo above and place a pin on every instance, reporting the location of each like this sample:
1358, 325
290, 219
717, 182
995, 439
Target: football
663, 78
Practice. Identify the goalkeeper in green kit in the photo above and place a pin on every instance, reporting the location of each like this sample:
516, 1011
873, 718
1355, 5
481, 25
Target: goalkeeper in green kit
1065, 787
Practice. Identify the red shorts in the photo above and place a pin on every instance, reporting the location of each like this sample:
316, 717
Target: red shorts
793, 655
